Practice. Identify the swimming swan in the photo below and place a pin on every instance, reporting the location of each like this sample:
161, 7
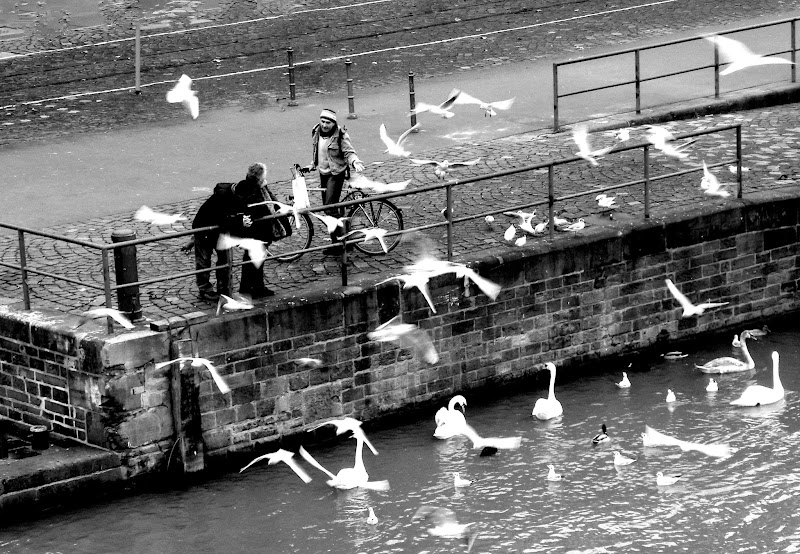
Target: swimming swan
759, 395
625, 383
548, 408
449, 420
727, 364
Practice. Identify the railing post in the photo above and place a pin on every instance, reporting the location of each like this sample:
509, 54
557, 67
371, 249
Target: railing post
794, 48
23, 263
138, 58
555, 97
345, 231
292, 97
716, 70
551, 200
125, 266
412, 100
350, 101
739, 158
647, 181
637, 70
107, 287
449, 214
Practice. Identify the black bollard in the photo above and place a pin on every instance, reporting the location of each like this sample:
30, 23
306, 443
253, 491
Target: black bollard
412, 100
292, 97
125, 266
350, 97
345, 231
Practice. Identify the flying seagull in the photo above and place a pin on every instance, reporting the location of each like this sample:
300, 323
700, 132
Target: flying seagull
182, 92
444, 167
740, 56
487, 107
201, 362
97, 313
256, 249
408, 336
581, 137
285, 456
446, 525
442, 109
369, 234
229, 304
690, 309
358, 181
392, 147
156, 218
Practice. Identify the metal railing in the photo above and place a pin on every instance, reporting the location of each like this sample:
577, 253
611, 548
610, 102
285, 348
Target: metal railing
638, 79
550, 200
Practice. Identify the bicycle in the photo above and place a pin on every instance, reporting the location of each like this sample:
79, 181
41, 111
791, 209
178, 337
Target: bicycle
371, 214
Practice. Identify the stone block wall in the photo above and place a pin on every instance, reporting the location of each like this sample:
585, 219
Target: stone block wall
589, 295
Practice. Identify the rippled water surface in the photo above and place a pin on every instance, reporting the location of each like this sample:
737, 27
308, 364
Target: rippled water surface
748, 502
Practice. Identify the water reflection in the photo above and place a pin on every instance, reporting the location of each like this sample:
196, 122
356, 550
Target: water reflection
748, 501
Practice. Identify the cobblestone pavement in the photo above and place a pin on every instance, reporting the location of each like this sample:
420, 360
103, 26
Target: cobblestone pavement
771, 144
770, 148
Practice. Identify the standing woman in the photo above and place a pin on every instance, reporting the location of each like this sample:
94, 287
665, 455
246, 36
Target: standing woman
332, 155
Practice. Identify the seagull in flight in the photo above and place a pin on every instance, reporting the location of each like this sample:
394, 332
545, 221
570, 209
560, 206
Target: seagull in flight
201, 362
156, 218
408, 336
182, 92
432, 266
330, 222
369, 234
525, 220
285, 456
392, 147
444, 167
442, 109
740, 56
660, 137
487, 107
580, 136
358, 181
229, 304
690, 309
446, 525
308, 362
97, 313
710, 185
256, 249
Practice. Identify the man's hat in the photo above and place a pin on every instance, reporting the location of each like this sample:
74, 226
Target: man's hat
328, 114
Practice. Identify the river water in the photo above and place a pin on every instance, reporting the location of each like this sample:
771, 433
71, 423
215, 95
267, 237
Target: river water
747, 502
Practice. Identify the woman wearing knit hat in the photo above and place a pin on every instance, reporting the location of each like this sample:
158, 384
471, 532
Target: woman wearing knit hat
333, 155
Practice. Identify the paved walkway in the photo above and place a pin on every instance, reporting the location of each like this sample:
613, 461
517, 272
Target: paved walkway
769, 147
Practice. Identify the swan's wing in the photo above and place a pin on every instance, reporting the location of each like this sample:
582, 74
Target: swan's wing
441, 416
376, 485
682, 300
301, 473
656, 438
713, 450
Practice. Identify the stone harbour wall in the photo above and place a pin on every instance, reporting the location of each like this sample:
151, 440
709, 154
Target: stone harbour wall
572, 301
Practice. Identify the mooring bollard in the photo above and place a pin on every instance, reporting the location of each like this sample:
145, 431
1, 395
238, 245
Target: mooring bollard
125, 266
292, 97
138, 58
412, 100
345, 230
350, 101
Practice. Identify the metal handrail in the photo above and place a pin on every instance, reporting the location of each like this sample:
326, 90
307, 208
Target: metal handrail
638, 80
550, 201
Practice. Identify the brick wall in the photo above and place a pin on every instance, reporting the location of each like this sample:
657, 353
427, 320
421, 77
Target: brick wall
589, 295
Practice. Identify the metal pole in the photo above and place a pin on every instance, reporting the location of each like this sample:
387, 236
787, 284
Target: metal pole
637, 69
350, 102
412, 100
716, 70
138, 58
739, 158
292, 97
555, 98
107, 287
26, 295
127, 271
647, 181
794, 51
345, 230
551, 200
449, 222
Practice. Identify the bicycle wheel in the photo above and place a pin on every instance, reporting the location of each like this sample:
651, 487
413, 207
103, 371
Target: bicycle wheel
301, 238
377, 213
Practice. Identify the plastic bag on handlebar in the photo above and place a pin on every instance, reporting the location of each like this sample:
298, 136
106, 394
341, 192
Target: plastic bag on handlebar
300, 193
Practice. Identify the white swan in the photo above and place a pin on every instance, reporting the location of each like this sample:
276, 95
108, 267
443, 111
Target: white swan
625, 383
449, 420
712, 386
759, 395
670, 396
548, 408
727, 364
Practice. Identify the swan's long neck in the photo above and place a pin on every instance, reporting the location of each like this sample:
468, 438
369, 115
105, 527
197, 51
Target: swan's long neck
747, 355
359, 465
552, 384
776, 379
